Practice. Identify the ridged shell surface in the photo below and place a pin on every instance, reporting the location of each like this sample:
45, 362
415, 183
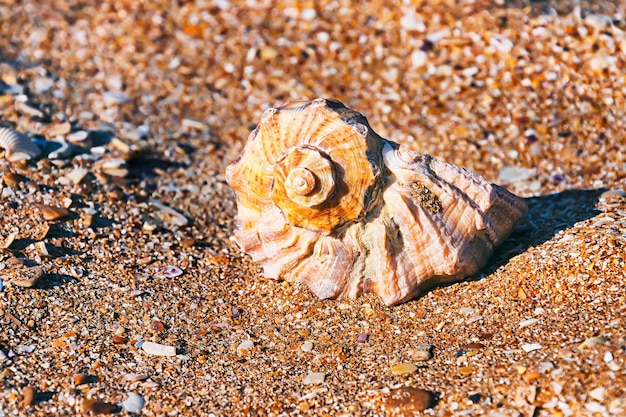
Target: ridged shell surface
323, 200
17, 147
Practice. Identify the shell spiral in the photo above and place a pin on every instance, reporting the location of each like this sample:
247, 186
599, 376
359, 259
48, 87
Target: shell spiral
323, 200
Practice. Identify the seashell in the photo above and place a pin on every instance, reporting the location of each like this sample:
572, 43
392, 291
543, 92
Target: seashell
52, 213
325, 201
17, 146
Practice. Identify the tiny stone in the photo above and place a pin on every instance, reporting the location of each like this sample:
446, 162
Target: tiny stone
314, 378
134, 403
158, 349
607, 357
79, 378
473, 346
403, 368
307, 346
362, 338
422, 353
475, 398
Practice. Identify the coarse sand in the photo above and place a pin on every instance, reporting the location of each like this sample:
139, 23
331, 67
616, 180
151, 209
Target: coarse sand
121, 291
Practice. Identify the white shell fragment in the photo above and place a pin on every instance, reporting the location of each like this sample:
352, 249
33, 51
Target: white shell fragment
170, 215
17, 146
158, 349
134, 403
325, 201
314, 378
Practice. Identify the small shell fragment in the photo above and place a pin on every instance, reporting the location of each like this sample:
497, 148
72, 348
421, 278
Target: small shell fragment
245, 347
99, 407
9, 240
135, 377
169, 214
133, 403
158, 349
314, 378
168, 271
17, 146
52, 213
529, 347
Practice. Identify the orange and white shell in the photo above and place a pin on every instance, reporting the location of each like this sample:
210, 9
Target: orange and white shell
323, 200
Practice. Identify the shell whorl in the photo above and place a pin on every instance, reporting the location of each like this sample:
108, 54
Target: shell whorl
316, 161
305, 176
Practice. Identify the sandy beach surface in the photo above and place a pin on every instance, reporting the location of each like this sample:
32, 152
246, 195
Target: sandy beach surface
121, 291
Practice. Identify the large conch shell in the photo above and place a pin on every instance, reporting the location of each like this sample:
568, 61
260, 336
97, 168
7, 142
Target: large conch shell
323, 200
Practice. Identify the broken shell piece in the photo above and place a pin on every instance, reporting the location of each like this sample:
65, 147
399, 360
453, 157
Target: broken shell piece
9, 240
52, 212
323, 200
57, 129
25, 108
169, 214
115, 167
17, 146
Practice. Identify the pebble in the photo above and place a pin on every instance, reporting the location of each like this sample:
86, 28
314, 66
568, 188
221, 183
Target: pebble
307, 346
158, 349
314, 378
409, 400
134, 403
113, 98
28, 396
403, 368
60, 149
607, 357
362, 338
79, 378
